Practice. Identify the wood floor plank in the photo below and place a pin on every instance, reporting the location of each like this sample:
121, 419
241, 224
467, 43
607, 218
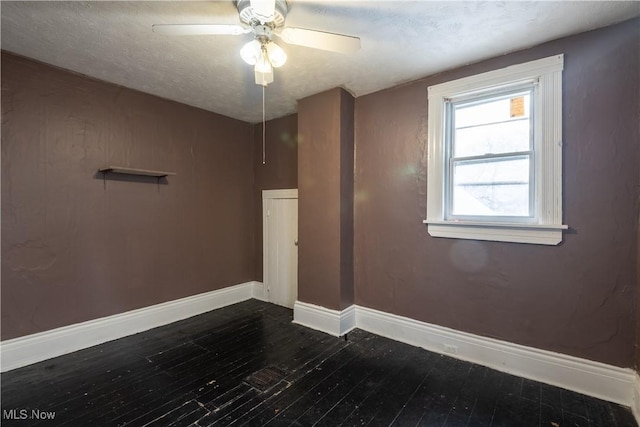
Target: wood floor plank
266, 407
192, 366
317, 401
372, 403
425, 394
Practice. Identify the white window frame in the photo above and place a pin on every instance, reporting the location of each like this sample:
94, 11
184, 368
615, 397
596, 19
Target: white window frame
546, 227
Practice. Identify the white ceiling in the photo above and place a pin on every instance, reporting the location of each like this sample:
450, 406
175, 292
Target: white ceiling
401, 41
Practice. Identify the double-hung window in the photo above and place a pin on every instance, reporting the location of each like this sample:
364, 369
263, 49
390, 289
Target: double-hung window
495, 155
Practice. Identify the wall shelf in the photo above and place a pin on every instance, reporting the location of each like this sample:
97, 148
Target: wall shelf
134, 171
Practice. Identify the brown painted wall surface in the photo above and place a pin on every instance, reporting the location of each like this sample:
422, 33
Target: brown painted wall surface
347, 148
319, 199
279, 172
637, 349
576, 298
76, 248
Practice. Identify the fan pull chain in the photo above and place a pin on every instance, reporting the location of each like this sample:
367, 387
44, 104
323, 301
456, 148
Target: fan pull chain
263, 130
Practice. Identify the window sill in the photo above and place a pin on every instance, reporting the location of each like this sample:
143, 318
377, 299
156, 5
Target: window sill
547, 234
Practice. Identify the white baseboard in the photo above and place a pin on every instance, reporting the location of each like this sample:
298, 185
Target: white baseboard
29, 349
592, 378
635, 405
332, 322
258, 291
584, 376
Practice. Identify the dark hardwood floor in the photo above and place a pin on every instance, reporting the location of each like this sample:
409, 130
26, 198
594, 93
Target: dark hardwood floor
247, 364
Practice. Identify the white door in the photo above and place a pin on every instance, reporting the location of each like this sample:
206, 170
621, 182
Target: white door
280, 235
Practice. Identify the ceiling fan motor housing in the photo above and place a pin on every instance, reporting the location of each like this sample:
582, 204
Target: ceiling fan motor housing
248, 16
262, 33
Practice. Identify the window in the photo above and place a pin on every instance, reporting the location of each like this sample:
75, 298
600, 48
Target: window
495, 155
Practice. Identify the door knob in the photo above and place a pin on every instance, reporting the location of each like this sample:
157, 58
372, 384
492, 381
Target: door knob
295, 242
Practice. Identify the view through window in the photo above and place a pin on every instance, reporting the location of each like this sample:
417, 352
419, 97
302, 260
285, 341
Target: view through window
491, 156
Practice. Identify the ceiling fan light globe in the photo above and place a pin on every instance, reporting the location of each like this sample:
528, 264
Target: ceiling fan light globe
277, 55
251, 52
263, 65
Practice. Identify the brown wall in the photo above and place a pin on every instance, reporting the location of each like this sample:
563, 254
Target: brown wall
347, 153
576, 298
76, 248
325, 199
637, 349
279, 171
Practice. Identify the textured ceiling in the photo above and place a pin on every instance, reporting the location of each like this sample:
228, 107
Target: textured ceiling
401, 41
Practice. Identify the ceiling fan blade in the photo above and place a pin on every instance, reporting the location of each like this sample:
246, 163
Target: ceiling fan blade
320, 40
199, 29
264, 9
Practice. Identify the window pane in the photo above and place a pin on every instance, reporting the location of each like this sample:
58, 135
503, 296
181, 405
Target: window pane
493, 110
505, 137
492, 126
491, 187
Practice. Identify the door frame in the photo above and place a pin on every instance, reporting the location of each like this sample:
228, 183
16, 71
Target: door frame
288, 193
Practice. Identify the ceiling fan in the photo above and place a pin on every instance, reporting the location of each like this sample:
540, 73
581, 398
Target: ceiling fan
265, 19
